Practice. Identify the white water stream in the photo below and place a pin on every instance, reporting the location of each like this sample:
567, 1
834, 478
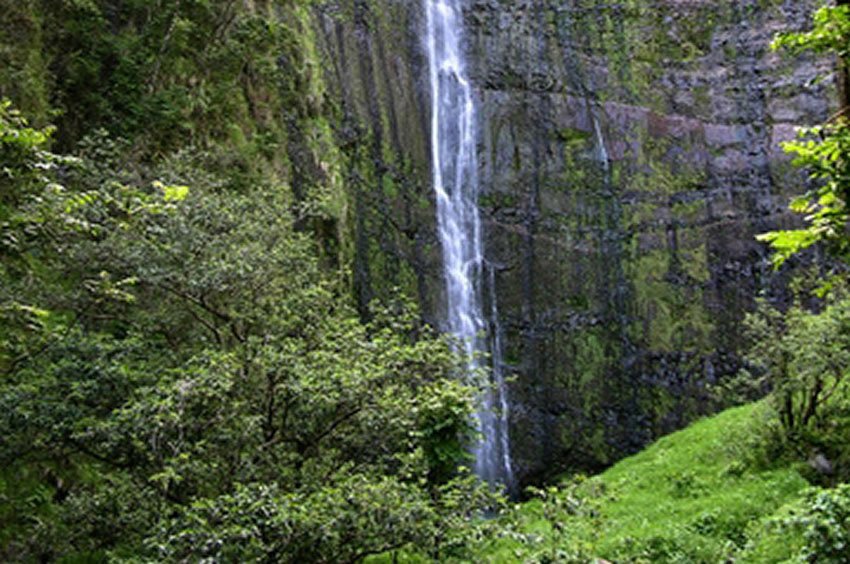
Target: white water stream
455, 179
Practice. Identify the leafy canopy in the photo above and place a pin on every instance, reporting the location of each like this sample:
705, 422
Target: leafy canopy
183, 379
823, 150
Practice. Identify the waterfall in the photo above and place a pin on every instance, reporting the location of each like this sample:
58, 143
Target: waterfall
601, 149
455, 180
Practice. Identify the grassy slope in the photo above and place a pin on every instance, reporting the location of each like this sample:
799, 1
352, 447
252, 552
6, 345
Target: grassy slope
690, 497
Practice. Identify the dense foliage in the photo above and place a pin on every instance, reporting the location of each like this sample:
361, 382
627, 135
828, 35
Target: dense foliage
805, 354
181, 378
183, 375
803, 357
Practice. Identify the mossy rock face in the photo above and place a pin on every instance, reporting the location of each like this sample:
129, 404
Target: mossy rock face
630, 154
374, 66
23, 65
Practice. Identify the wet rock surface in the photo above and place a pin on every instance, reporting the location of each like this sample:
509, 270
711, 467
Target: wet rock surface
629, 152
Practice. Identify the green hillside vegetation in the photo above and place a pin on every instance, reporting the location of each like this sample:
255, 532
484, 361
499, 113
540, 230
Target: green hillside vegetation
699, 495
714, 492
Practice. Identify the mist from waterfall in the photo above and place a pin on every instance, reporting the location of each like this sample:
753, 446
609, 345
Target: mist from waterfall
455, 180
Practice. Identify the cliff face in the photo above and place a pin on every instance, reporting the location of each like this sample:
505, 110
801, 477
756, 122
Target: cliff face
375, 71
629, 154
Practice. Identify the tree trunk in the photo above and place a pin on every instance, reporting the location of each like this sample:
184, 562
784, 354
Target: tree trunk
813, 402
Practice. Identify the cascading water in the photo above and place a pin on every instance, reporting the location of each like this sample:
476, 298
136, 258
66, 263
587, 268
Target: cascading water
455, 182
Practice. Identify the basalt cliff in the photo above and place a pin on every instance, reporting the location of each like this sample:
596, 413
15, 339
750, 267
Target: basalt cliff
629, 154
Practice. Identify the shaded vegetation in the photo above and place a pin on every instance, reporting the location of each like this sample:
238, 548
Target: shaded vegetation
184, 374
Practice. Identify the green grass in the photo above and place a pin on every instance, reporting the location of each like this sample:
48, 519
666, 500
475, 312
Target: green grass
694, 496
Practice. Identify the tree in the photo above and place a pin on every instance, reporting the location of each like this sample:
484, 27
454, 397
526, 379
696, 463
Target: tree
182, 372
823, 150
185, 380
805, 354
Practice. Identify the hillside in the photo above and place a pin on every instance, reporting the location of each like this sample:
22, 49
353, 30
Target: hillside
704, 494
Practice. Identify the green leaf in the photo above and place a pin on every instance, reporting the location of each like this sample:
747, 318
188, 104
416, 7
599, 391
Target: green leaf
172, 193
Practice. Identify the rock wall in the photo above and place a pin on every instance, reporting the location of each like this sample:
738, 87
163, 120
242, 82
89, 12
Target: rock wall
376, 72
629, 154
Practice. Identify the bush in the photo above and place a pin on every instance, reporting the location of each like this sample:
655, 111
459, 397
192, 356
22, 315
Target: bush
815, 528
183, 378
803, 357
